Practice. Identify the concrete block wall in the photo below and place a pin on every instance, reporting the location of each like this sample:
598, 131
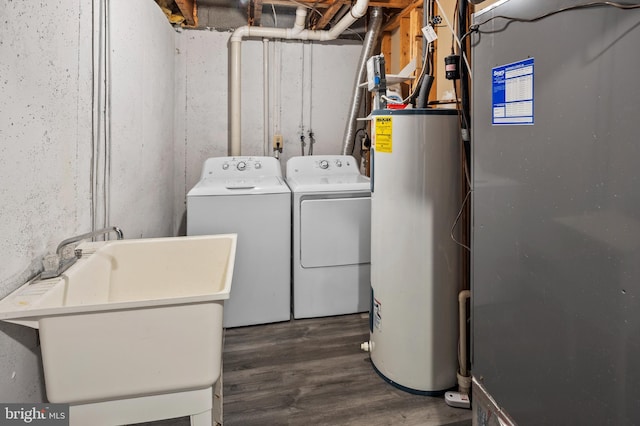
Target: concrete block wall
310, 84
47, 142
167, 113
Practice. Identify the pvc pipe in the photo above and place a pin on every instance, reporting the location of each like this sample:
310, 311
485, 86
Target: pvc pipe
464, 380
296, 33
234, 100
265, 93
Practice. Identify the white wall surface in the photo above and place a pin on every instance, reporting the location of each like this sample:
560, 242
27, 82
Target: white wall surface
142, 119
325, 81
45, 145
46, 139
168, 113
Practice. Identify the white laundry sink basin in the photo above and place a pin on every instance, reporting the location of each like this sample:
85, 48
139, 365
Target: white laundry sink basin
135, 318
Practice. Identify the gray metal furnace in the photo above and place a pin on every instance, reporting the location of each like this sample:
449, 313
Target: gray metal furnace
556, 214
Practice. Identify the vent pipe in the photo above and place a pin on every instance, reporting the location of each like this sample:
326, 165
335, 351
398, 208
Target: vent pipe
370, 42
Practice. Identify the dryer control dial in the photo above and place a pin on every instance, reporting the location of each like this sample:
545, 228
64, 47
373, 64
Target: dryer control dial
324, 164
338, 163
257, 165
241, 165
225, 166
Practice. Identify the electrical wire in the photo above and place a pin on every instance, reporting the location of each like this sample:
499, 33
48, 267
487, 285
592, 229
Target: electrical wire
355, 32
455, 222
413, 94
353, 146
302, 98
312, 139
455, 25
107, 113
462, 117
312, 8
275, 16
475, 27
446, 20
95, 118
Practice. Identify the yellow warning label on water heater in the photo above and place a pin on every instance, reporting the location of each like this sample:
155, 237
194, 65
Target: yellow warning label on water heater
384, 127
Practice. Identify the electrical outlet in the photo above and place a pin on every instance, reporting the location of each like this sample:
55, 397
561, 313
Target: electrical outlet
277, 141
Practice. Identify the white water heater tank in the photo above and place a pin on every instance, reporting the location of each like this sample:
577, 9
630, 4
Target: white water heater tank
415, 265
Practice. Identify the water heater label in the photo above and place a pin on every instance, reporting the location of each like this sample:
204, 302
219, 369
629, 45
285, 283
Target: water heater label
513, 93
384, 140
377, 314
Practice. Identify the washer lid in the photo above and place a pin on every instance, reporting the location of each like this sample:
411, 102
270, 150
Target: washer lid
239, 186
329, 183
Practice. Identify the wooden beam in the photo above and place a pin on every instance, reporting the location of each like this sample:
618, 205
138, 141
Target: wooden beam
395, 22
329, 14
415, 39
289, 3
385, 49
389, 4
189, 11
394, 4
405, 41
257, 12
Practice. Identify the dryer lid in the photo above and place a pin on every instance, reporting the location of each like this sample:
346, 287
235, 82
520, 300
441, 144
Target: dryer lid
239, 186
329, 183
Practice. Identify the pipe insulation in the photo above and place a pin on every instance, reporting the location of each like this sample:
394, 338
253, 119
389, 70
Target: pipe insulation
464, 378
298, 32
370, 42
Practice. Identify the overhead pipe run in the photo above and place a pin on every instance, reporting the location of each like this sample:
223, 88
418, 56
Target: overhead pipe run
298, 32
370, 42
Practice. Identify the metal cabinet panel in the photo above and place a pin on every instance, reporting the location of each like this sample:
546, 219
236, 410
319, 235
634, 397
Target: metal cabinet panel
556, 218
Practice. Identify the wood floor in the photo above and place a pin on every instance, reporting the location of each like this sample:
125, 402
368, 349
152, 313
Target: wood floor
312, 372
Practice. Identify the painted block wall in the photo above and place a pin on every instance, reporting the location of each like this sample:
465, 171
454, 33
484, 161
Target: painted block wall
142, 105
45, 144
46, 136
168, 113
321, 75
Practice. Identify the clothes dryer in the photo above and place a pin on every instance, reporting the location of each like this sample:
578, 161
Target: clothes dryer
331, 236
248, 196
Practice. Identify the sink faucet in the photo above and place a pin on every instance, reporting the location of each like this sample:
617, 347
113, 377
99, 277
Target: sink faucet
56, 264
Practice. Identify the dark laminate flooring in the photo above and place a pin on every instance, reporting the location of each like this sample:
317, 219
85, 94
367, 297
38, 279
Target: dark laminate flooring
312, 372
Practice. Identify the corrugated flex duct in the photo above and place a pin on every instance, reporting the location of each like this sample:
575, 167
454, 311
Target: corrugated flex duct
370, 42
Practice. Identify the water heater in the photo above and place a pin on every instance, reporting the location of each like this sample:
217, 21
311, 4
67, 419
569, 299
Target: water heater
415, 264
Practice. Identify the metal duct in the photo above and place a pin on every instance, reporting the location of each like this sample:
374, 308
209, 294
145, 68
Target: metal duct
370, 41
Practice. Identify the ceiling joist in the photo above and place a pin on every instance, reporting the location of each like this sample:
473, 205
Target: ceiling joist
189, 10
329, 14
406, 11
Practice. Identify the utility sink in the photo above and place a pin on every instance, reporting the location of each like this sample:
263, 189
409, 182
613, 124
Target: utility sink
132, 331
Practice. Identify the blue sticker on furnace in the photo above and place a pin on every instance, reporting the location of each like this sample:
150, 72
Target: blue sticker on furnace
513, 94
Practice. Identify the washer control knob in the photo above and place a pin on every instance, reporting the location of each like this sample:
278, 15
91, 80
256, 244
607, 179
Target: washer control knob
241, 165
257, 165
225, 166
338, 163
324, 164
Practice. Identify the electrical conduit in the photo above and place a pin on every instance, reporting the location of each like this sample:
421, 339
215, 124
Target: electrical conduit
298, 32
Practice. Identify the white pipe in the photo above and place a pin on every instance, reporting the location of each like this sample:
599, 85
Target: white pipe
464, 380
296, 33
265, 93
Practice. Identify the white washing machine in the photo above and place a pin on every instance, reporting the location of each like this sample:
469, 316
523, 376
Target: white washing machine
248, 196
331, 236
